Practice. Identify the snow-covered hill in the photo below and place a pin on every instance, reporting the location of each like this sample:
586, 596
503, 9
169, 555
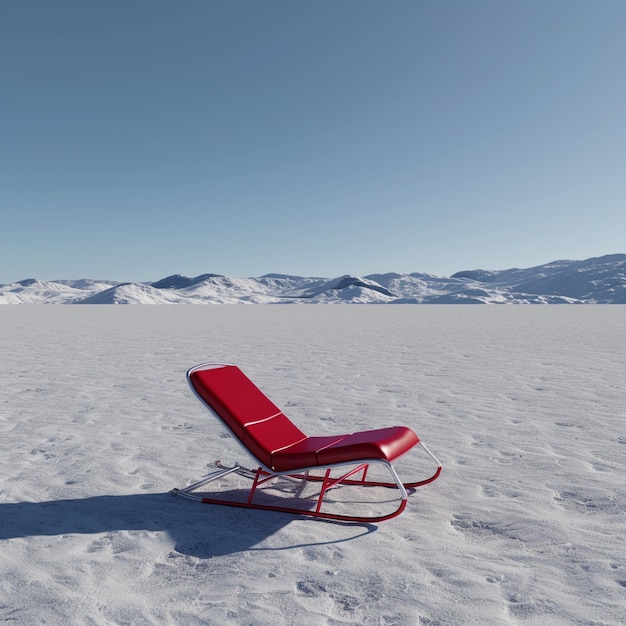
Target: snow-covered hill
599, 280
32, 291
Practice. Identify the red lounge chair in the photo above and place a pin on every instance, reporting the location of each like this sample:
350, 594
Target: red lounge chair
282, 450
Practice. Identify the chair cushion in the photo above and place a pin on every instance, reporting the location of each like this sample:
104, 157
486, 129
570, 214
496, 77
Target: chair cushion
233, 396
264, 438
254, 419
383, 443
302, 454
276, 441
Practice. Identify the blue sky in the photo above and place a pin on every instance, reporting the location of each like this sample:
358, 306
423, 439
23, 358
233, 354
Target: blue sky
142, 138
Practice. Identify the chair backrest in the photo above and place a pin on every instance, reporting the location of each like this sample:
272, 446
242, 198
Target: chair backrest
248, 413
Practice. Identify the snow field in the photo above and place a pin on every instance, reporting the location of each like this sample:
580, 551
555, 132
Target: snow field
524, 406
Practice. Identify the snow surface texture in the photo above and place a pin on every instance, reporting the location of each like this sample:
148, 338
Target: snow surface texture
599, 280
524, 406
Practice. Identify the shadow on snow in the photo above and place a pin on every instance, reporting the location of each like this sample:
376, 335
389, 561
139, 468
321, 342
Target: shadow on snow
197, 530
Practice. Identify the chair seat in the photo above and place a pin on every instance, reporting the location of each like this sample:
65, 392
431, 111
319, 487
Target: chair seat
384, 444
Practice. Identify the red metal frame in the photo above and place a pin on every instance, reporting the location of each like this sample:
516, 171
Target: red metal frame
262, 475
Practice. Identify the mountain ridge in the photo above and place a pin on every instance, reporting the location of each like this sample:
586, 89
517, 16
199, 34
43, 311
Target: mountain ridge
597, 280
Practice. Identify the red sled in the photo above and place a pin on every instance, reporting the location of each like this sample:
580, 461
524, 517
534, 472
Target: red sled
288, 461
